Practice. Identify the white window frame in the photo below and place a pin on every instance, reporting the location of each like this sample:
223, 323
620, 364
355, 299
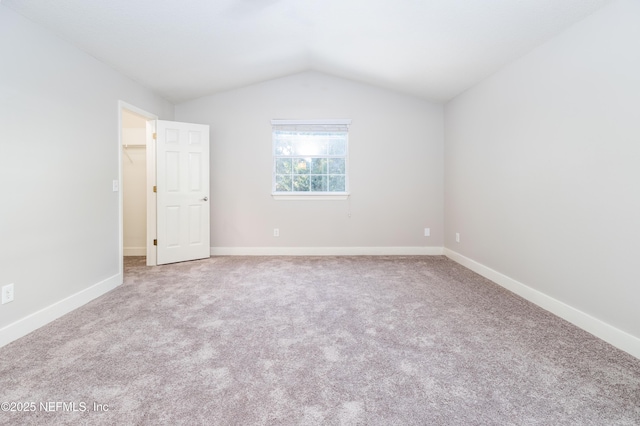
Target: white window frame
310, 125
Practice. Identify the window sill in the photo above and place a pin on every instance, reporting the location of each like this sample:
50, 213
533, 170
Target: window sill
310, 197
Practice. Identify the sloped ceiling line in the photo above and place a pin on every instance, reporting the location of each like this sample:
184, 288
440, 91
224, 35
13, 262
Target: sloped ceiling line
433, 49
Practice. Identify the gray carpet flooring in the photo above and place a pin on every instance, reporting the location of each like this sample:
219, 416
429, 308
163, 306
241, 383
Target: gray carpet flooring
315, 340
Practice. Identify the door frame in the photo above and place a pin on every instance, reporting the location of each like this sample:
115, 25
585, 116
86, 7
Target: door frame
151, 181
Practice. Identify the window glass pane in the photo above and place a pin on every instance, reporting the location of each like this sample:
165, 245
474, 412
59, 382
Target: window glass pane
283, 183
337, 146
319, 166
336, 166
336, 183
301, 183
284, 146
323, 145
306, 144
301, 166
283, 166
319, 183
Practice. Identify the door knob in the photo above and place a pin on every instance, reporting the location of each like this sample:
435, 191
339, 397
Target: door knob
205, 199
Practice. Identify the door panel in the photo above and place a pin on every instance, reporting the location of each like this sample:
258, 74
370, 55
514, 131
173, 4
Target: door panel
195, 172
195, 219
183, 191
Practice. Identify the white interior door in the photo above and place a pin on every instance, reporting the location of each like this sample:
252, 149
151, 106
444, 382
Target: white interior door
182, 179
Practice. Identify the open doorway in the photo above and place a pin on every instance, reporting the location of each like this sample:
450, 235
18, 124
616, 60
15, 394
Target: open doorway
137, 178
177, 212
134, 180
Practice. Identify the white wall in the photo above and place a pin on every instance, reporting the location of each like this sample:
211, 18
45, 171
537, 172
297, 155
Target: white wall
58, 157
395, 158
134, 181
542, 166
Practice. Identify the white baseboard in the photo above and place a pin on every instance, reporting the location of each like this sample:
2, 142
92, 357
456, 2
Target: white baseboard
32, 322
134, 251
610, 334
326, 251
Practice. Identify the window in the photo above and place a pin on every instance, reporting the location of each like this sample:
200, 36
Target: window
310, 157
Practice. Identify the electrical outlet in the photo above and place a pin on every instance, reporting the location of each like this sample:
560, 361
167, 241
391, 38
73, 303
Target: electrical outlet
7, 293
276, 232
457, 237
427, 232
116, 186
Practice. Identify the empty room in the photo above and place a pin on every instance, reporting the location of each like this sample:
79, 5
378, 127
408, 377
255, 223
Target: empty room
305, 212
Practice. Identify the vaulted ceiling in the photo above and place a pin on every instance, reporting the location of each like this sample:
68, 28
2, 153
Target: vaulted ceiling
433, 49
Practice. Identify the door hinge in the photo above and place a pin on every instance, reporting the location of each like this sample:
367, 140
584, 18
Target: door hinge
155, 242
155, 188
155, 135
